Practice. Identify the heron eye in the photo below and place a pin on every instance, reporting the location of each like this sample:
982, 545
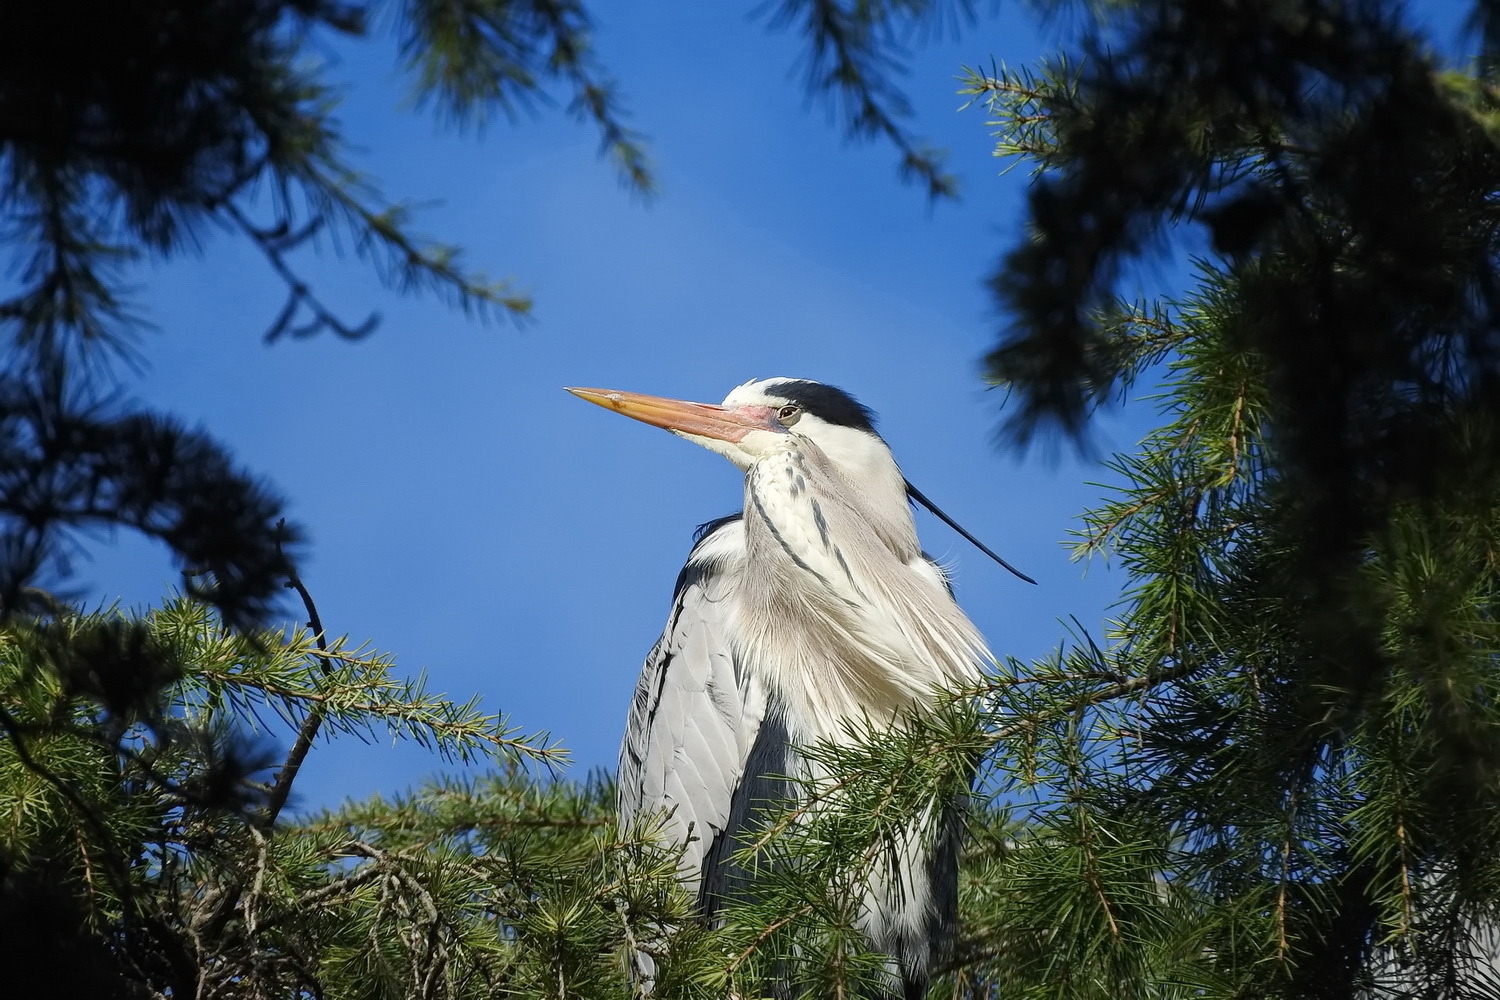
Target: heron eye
788, 414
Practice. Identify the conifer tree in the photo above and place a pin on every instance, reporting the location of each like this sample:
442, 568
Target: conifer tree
1278, 775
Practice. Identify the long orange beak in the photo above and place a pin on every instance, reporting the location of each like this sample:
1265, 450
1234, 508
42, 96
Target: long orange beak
703, 419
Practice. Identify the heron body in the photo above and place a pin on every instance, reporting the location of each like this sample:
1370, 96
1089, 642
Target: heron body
811, 611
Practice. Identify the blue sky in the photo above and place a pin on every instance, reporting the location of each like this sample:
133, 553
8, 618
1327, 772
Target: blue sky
469, 516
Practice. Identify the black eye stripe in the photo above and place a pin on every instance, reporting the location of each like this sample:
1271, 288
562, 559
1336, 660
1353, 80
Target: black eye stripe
829, 403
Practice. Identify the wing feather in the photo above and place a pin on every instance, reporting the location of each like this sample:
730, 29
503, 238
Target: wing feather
695, 715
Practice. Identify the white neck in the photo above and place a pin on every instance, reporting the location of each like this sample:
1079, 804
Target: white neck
839, 610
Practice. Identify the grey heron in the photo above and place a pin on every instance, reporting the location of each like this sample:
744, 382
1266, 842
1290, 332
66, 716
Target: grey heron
813, 608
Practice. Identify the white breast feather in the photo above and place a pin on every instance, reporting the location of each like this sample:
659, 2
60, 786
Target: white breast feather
876, 631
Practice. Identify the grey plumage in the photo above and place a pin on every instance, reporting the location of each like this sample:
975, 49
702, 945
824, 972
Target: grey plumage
813, 610
707, 744
694, 718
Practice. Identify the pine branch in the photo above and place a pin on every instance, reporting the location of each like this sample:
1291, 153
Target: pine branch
852, 57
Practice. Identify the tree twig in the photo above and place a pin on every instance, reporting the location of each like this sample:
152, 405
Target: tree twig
282, 788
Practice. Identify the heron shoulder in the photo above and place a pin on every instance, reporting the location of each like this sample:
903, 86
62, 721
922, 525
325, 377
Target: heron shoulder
716, 543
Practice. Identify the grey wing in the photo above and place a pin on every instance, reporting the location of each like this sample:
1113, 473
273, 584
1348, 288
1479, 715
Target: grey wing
694, 718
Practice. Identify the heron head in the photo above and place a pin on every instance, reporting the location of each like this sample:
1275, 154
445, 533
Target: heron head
763, 417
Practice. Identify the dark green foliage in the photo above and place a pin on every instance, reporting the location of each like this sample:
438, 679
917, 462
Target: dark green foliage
138, 842
1311, 536
1347, 181
1245, 795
